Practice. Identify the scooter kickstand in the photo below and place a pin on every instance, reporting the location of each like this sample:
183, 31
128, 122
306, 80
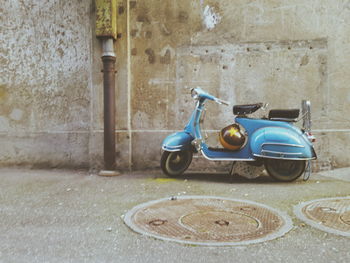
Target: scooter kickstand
231, 170
307, 172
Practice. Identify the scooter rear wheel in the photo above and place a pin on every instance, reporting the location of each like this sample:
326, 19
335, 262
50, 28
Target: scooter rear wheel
175, 163
284, 170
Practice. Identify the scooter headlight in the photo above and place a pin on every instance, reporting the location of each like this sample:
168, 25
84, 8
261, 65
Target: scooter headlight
194, 94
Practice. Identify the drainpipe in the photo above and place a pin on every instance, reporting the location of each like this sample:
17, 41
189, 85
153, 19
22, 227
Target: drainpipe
106, 30
108, 59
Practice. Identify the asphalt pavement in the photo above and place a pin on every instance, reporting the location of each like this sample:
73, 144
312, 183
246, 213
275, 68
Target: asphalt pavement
77, 216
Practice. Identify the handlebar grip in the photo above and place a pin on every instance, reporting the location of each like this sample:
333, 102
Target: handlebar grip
222, 102
225, 103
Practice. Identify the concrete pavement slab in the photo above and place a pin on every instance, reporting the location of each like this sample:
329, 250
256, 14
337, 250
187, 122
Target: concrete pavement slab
340, 174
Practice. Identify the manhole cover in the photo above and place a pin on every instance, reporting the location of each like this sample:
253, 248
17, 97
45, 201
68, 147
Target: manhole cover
330, 214
205, 220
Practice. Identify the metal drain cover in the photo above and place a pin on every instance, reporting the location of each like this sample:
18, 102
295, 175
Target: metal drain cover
331, 214
207, 220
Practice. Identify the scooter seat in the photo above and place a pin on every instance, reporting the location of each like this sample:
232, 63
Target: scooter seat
246, 108
284, 115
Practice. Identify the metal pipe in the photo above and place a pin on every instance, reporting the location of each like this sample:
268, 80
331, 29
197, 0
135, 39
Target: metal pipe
108, 59
108, 47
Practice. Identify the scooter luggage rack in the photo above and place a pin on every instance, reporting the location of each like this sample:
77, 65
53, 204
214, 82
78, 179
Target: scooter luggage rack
306, 116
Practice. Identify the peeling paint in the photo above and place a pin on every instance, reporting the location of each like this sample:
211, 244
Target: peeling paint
210, 18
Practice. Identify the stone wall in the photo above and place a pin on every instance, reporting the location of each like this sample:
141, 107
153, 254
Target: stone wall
243, 51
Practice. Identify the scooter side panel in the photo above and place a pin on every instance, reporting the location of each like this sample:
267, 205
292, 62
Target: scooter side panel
178, 141
281, 143
242, 155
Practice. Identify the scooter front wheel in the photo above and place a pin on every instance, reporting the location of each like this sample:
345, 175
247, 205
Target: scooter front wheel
175, 163
284, 170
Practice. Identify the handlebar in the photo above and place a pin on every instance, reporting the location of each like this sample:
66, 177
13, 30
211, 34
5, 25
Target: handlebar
199, 93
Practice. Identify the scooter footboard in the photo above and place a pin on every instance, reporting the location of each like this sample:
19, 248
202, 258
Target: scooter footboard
277, 143
178, 141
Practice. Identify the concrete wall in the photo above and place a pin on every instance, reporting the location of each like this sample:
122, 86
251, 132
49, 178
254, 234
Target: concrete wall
45, 61
243, 51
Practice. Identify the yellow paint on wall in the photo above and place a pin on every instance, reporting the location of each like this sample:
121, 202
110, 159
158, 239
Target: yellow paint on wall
3, 91
106, 18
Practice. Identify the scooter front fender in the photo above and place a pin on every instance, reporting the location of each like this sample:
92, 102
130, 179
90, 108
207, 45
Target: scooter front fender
281, 143
178, 141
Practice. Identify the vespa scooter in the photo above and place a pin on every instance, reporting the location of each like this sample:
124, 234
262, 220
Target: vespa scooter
274, 141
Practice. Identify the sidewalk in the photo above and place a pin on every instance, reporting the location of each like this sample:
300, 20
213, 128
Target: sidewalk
74, 216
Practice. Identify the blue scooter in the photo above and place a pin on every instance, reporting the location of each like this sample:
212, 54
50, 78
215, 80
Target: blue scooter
285, 150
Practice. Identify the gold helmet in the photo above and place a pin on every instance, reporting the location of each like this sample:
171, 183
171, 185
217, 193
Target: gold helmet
232, 138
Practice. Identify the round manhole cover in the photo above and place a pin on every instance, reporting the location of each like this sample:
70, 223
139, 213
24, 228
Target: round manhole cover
205, 220
330, 214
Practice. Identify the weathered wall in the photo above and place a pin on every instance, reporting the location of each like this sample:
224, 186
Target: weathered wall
243, 51
45, 58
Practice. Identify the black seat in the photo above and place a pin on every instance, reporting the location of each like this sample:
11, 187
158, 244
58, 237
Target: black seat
246, 108
284, 115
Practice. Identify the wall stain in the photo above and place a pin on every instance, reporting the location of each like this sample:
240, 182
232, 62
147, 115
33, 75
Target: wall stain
183, 17
143, 18
166, 58
121, 10
132, 4
165, 30
304, 60
60, 52
133, 32
148, 34
3, 92
134, 51
151, 55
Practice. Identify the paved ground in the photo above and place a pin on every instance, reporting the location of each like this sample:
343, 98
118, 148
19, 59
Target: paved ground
74, 216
